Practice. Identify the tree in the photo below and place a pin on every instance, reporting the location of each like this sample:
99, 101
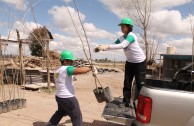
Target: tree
39, 37
140, 12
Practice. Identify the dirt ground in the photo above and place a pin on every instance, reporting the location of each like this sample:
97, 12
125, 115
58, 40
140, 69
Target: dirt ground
41, 105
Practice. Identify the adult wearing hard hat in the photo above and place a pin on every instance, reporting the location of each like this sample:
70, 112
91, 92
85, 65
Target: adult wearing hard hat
65, 93
135, 59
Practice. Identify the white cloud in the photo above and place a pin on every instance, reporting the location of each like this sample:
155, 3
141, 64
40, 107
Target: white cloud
73, 42
94, 32
170, 22
62, 18
162, 4
182, 46
162, 21
66, 24
115, 5
18, 4
24, 28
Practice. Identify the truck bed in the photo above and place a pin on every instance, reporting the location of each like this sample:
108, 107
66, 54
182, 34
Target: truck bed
113, 113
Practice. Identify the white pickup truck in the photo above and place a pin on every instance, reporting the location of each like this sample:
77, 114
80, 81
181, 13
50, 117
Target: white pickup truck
161, 103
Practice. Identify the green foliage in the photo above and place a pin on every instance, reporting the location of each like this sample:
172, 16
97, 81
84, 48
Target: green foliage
38, 37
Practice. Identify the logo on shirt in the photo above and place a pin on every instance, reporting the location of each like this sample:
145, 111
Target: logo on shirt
56, 75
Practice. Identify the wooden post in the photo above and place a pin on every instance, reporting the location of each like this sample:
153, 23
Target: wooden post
160, 69
22, 72
48, 65
0, 47
48, 38
114, 63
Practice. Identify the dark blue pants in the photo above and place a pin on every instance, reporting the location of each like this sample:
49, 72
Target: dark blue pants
137, 70
67, 106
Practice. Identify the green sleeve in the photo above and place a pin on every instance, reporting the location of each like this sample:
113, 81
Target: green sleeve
130, 38
70, 70
117, 41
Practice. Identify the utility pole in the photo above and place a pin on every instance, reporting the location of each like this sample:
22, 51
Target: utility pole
114, 62
2, 65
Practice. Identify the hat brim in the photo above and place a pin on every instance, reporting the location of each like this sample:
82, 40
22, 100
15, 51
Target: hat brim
119, 24
124, 24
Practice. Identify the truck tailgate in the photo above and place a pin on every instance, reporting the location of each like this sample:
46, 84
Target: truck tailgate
113, 113
170, 107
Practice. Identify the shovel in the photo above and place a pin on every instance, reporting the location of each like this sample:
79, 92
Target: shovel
98, 92
103, 94
107, 95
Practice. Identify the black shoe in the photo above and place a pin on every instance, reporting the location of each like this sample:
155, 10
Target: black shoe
50, 124
123, 105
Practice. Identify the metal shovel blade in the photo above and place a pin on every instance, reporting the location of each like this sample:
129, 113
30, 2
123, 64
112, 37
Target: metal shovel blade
98, 92
107, 95
103, 94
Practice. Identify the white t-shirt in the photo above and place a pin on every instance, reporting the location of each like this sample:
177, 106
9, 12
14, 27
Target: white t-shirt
64, 82
130, 45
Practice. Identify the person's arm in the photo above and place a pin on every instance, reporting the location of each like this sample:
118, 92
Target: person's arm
71, 70
81, 70
122, 42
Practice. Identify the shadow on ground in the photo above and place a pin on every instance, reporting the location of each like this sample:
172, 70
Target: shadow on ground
100, 123
44, 124
94, 123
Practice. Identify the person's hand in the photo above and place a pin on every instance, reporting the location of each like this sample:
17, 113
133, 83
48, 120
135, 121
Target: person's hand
94, 71
101, 48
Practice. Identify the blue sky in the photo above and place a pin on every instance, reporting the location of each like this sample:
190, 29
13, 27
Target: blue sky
100, 18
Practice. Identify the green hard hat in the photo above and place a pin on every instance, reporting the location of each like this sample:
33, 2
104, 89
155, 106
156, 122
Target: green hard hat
67, 55
126, 21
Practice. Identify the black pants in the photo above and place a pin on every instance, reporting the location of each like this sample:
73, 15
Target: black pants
133, 69
67, 106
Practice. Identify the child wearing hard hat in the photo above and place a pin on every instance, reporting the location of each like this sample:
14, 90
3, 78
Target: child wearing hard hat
135, 59
65, 93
